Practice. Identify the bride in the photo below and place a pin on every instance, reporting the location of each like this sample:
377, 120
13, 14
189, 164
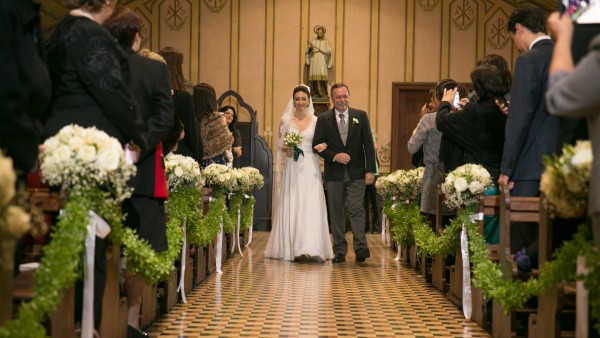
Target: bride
300, 230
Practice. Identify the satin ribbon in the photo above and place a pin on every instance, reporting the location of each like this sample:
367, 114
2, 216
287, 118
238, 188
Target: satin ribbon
297, 153
97, 226
236, 233
252, 226
399, 246
219, 248
467, 303
181, 286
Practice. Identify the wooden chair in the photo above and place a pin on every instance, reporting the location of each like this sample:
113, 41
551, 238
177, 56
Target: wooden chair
512, 209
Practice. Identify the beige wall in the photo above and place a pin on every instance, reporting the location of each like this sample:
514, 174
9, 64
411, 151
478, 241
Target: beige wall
256, 47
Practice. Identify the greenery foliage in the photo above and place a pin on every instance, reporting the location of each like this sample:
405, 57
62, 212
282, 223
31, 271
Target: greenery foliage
247, 214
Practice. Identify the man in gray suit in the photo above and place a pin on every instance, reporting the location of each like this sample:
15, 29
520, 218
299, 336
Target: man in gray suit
349, 165
530, 131
572, 92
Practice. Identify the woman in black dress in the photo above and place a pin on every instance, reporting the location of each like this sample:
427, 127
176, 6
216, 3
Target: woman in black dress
231, 119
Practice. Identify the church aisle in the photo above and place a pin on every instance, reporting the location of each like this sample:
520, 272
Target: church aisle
258, 297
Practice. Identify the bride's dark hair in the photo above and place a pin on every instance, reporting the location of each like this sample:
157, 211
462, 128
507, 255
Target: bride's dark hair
301, 88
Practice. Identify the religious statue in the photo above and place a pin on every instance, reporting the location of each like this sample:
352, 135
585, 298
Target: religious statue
319, 60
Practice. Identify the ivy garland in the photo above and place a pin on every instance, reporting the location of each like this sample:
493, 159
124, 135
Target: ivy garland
248, 214
235, 204
209, 225
432, 245
400, 217
61, 254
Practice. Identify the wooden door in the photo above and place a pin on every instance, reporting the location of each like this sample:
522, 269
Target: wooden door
407, 100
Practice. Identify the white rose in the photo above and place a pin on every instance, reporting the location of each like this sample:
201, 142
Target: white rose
75, 142
475, 187
178, 172
108, 160
460, 184
87, 153
7, 180
583, 159
50, 143
62, 154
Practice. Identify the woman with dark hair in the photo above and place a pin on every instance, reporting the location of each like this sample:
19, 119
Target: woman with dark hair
88, 72
478, 128
231, 118
191, 144
215, 134
300, 230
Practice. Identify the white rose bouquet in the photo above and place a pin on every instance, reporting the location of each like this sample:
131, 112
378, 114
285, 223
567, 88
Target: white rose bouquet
220, 176
251, 178
463, 185
14, 221
292, 140
79, 159
565, 180
182, 170
403, 184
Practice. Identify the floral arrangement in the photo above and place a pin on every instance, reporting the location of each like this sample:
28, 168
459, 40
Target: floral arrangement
292, 140
463, 185
14, 221
405, 185
220, 176
78, 158
566, 178
251, 178
182, 170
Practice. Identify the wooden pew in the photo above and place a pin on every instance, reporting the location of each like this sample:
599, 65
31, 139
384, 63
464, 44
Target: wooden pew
558, 300
114, 307
512, 209
489, 205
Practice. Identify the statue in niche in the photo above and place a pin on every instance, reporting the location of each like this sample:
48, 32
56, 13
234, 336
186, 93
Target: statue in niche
319, 59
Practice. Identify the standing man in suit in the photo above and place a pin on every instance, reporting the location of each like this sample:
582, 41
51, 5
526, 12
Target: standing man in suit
151, 92
530, 131
349, 165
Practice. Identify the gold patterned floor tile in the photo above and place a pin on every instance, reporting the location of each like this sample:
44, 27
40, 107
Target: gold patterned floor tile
260, 297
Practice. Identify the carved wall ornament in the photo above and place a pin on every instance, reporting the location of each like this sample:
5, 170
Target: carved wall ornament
176, 15
495, 30
384, 153
463, 13
215, 5
428, 5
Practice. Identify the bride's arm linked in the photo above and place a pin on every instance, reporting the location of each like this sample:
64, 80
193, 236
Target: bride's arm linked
320, 139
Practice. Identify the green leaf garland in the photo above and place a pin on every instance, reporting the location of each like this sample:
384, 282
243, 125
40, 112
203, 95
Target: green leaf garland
248, 214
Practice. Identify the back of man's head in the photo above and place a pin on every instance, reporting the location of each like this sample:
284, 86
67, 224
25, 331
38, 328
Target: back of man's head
123, 25
531, 17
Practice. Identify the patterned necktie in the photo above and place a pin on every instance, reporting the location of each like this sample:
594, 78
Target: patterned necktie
343, 128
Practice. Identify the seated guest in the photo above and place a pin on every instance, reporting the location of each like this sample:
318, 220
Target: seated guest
216, 136
145, 210
88, 69
231, 118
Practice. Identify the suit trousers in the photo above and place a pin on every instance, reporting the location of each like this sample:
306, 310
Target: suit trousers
342, 195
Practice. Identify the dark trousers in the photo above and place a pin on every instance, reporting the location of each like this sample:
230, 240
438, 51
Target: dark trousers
372, 199
342, 195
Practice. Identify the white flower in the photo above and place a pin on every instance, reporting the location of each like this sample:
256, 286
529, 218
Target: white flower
7, 180
178, 171
583, 159
108, 160
460, 184
62, 154
354, 120
87, 153
475, 187
75, 143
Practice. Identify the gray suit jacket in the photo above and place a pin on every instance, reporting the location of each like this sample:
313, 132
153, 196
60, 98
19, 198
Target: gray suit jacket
576, 95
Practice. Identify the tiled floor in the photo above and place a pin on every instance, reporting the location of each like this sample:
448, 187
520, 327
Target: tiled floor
258, 297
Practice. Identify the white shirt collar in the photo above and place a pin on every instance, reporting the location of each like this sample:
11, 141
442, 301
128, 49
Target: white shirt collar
543, 37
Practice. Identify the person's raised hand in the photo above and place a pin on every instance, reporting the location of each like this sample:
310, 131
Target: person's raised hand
560, 26
449, 95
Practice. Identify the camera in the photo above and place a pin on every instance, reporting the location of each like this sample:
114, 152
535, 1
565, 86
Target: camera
456, 100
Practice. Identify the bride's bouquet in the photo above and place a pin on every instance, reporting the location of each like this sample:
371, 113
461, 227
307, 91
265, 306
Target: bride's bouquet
79, 159
292, 140
565, 180
463, 185
182, 170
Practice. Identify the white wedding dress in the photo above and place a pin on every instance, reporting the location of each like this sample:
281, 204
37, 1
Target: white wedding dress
300, 215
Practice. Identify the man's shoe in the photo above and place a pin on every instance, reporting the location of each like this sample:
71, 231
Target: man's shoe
362, 254
339, 258
376, 232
